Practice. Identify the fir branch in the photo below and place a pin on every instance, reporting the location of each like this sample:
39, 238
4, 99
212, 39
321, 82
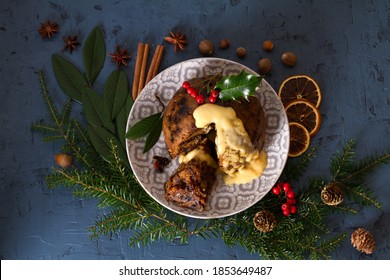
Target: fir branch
361, 194
117, 220
47, 98
214, 227
95, 186
366, 166
59, 118
342, 162
313, 212
51, 138
124, 179
295, 168
342, 209
326, 247
43, 128
155, 229
65, 115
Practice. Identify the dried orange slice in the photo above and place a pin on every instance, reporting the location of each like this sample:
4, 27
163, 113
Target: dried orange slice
305, 113
300, 87
299, 139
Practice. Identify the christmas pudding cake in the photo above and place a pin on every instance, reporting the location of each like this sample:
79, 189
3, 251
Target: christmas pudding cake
210, 136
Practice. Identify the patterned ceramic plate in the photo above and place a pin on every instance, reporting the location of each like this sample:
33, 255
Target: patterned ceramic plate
223, 200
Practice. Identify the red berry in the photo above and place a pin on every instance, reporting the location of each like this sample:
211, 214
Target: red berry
286, 187
193, 92
214, 93
291, 201
186, 84
286, 212
293, 209
212, 99
276, 190
200, 99
290, 194
285, 206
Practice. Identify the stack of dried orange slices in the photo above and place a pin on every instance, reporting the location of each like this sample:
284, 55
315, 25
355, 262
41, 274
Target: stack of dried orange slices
301, 97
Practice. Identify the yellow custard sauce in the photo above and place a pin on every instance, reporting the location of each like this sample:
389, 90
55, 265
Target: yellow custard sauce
238, 158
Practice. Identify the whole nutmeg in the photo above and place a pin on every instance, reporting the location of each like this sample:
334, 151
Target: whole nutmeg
289, 58
224, 43
268, 45
63, 160
206, 47
264, 66
241, 52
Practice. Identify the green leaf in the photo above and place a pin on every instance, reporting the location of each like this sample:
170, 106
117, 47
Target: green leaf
104, 142
94, 54
70, 79
144, 126
153, 136
100, 139
234, 87
121, 119
94, 110
115, 93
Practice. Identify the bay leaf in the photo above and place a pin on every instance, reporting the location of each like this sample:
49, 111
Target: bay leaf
69, 78
153, 136
94, 110
144, 126
121, 119
100, 139
94, 54
115, 93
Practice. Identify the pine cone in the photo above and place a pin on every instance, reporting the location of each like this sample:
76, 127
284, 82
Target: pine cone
264, 221
332, 194
363, 241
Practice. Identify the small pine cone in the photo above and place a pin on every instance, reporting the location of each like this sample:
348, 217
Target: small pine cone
332, 194
363, 241
264, 221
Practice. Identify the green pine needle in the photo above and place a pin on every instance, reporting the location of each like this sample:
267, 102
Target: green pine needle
342, 162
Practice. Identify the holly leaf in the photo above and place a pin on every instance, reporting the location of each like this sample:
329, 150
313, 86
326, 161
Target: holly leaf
234, 87
144, 126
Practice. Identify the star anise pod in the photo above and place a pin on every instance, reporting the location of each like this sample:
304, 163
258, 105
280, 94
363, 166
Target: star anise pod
48, 29
178, 40
71, 43
120, 57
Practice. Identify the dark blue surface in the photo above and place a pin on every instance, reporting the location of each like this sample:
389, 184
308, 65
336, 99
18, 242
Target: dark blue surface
344, 45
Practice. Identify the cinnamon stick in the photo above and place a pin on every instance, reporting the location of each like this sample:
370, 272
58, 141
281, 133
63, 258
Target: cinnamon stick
145, 56
156, 60
159, 58
137, 70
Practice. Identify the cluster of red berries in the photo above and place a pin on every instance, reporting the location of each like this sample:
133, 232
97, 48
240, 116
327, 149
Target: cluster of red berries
200, 99
289, 207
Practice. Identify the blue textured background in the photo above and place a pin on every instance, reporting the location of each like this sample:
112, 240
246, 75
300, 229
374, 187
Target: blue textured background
344, 45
